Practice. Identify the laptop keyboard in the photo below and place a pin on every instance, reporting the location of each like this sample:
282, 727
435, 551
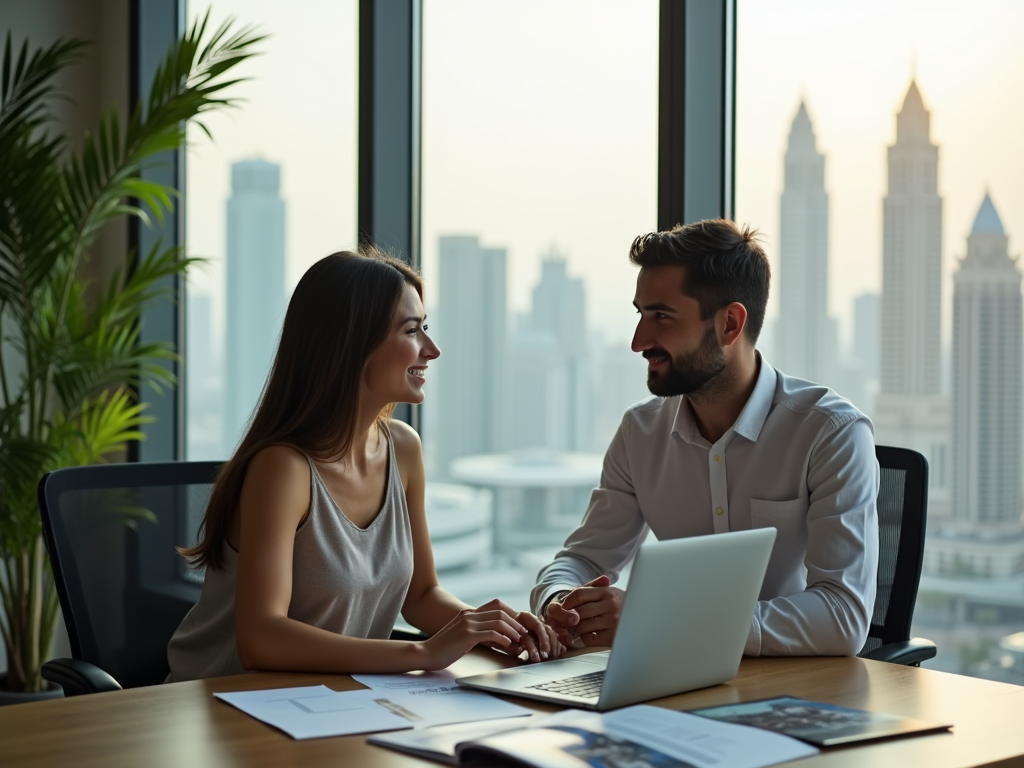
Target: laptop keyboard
586, 686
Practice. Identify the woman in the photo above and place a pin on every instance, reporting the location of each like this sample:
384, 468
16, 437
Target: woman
315, 537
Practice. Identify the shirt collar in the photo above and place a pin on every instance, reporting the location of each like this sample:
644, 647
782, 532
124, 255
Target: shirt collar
755, 412
751, 418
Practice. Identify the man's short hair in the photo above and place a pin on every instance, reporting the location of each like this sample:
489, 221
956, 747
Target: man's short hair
723, 264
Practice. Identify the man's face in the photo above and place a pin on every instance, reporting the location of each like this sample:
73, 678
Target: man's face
682, 351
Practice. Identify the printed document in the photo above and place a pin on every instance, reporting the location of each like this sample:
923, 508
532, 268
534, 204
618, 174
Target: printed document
316, 711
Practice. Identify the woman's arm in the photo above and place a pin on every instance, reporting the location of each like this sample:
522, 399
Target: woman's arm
274, 500
428, 606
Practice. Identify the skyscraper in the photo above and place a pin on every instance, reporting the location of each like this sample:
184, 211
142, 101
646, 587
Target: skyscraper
988, 394
806, 343
866, 333
559, 305
988, 339
204, 379
559, 308
536, 408
256, 290
470, 329
911, 410
912, 257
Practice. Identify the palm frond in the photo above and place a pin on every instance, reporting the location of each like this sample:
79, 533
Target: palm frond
184, 86
99, 344
28, 83
33, 233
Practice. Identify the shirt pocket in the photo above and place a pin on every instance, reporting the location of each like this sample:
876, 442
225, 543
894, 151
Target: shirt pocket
777, 514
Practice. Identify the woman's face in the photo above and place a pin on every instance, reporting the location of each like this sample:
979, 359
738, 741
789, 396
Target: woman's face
396, 371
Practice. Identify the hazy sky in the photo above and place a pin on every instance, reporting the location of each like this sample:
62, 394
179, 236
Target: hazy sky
853, 63
299, 110
540, 127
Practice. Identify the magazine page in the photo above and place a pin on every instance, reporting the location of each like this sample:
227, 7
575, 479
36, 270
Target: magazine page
818, 723
640, 737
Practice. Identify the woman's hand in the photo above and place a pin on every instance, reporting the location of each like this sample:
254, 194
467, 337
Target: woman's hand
492, 624
541, 641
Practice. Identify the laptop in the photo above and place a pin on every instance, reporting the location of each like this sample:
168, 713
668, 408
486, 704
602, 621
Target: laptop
684, 624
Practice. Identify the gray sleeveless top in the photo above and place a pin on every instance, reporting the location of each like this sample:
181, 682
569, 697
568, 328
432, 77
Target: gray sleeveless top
345, 579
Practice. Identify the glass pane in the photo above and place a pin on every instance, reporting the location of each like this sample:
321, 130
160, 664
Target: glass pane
879, 154
539, 169
272, 193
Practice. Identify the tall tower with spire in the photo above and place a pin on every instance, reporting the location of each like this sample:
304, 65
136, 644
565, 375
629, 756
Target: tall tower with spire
912, 257
985, 534
912, 410
806, 335
988, 392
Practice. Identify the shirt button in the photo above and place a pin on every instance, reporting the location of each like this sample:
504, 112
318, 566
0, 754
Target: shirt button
719, 511
717, 457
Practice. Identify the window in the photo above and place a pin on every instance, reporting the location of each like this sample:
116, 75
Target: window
876, 154
539, 169
272, 193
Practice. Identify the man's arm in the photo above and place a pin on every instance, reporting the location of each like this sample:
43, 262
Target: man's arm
609, 535
832, 616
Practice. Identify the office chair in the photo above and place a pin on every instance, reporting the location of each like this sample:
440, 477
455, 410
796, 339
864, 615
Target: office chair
110, 531
902, 508
123, 589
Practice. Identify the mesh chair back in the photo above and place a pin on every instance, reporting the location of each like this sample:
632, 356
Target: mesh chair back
902, 508
110, 532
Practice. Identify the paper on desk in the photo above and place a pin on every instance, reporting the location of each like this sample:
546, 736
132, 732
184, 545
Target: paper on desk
316, 711
439, 698
408, 680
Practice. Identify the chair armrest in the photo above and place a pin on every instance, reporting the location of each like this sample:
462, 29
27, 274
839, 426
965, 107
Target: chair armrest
77, 677
907, 652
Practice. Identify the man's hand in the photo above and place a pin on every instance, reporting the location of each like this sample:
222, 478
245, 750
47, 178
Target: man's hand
590, 612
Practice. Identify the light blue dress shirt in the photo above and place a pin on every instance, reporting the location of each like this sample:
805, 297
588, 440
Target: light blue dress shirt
799, 458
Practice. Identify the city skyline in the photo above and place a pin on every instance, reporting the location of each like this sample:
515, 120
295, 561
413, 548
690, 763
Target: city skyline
785, 53
807, 164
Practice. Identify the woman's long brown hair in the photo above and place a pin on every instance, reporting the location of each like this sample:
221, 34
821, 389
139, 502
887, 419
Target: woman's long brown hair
340, 313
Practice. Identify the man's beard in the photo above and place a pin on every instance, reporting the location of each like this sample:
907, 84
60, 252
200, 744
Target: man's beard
691, 372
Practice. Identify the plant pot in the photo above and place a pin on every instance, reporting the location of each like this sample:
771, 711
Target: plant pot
53, 691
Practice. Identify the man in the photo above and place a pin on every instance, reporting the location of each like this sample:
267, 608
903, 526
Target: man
729, 444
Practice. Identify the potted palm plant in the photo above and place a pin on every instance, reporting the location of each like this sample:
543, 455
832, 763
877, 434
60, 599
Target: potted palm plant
71, 358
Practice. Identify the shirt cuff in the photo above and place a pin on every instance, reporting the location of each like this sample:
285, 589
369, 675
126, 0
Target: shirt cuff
753, 646
550, 592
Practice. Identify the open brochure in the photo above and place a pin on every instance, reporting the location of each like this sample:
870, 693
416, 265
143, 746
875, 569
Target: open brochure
640, 737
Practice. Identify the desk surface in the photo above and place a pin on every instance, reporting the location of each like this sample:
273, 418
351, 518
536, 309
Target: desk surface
183, 725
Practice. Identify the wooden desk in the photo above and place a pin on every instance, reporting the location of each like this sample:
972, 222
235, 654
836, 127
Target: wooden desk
183, 726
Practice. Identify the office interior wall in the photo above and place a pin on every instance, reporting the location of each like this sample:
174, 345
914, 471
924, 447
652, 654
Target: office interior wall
99, 80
